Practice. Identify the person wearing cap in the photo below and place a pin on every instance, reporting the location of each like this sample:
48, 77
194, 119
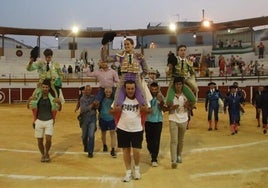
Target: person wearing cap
45, 110
233, 101
264, 108
242, 93
178, 117
212, 105
182, 68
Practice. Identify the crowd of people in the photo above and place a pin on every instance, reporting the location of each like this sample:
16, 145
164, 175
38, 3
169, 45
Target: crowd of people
227, 43
235, 66
128, 106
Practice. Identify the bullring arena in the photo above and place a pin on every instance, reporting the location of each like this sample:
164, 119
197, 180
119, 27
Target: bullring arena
210, 158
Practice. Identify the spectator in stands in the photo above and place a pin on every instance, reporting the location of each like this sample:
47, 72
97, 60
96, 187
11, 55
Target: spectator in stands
91, 64
234, 43
261, 50
251, 67
235, 69
220, 43
64, 69
212, 61
256, 67
241, 63
222, 65
240, 44
227, 43
228, 67
85, 68
70, 69
261, 70
208, 60
84, 56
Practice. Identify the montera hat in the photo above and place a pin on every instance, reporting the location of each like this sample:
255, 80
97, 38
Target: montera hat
35, 53
108, 37
232, 87
81, 88
211, 83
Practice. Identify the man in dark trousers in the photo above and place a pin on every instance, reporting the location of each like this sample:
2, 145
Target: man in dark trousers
264, 108
212, 105
256, 102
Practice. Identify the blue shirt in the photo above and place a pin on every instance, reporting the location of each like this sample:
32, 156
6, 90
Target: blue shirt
156, 115
105, 109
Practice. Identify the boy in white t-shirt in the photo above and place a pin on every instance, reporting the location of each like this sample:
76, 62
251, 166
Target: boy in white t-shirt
178, 117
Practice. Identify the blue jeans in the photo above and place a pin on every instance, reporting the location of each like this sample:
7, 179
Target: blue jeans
88, 133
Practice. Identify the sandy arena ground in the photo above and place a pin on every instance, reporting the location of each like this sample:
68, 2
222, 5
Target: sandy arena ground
210, 159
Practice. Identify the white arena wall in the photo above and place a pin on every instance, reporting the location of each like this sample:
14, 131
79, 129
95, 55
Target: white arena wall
10, 64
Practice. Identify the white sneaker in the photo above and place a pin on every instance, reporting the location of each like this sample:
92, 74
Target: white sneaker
137, 175
154, 164
127, 178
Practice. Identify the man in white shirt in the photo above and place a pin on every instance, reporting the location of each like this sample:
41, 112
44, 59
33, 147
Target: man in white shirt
178, 117
130, 130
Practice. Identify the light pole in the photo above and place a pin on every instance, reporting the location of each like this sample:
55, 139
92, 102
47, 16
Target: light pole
74, 31
173, 28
